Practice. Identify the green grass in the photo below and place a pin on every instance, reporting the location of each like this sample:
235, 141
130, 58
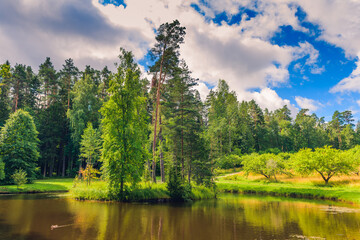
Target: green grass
40, 186
310, 190
97, 190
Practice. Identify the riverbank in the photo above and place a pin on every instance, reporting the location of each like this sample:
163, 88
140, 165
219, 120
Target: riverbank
40, 186
97, 190
145, 192
340, 190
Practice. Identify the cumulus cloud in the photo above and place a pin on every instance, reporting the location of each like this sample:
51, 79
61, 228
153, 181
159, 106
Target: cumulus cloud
268, 98
32, 30
306, 103
92, 33
341, 27
203, 90
349, 84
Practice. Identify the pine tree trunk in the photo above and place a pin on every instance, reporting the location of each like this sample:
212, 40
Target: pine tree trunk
44, 173
51, 167
157, 112
189, 174
63, 165
182, 155
161, 155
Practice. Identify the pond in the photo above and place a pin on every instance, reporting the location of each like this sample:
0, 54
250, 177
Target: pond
43, 216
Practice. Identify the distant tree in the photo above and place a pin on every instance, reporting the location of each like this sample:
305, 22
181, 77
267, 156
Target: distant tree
90, 144
19, 145
336, 125
49, 81
85, 108
68, 76
124, 127
5, 84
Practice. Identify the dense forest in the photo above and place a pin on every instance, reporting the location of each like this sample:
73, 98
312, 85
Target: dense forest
133, 128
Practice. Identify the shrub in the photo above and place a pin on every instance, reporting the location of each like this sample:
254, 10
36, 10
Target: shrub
19, 177
178, 190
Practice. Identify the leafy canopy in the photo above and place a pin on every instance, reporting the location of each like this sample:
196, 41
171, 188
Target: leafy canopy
124, 127
325, 161
19, 145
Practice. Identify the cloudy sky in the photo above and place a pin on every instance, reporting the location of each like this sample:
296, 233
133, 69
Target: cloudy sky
302, 53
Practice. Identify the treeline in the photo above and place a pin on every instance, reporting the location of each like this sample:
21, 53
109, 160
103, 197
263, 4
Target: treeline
180, 136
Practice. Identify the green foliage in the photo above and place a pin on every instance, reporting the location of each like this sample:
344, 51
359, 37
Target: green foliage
19, 177
90, 144
19, 145
325, 161
2, 167
178, 190
5, 85
124, 127
89, 173
229, 161
268, 164
85, 108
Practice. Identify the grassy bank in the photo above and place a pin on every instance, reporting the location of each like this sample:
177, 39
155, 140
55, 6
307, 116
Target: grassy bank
40, 186
341, 189
144, 192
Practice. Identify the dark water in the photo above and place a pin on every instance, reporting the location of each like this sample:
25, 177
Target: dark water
230, 217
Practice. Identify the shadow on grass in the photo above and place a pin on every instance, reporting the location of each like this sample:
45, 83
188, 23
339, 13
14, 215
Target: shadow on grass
33, 188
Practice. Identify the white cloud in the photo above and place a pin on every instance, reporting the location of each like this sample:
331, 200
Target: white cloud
241, 54
92, 33
340, 26
349, 84
203, 90
33, 30
358, 102
268, 98
306, 103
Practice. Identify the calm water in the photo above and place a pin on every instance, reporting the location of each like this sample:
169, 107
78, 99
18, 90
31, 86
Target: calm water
230, 217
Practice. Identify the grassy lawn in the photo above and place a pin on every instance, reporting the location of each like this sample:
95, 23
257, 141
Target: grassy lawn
43, 185
341, 188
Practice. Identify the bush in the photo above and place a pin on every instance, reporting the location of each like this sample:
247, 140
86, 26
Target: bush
229, 161
19, 177
178, 190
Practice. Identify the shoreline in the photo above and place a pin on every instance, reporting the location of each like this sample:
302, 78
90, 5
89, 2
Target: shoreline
158, 192
337, 194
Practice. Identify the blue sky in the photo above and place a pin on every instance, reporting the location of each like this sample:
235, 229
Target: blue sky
301, 53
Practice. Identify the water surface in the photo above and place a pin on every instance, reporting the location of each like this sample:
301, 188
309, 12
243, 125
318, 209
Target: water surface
229, 217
